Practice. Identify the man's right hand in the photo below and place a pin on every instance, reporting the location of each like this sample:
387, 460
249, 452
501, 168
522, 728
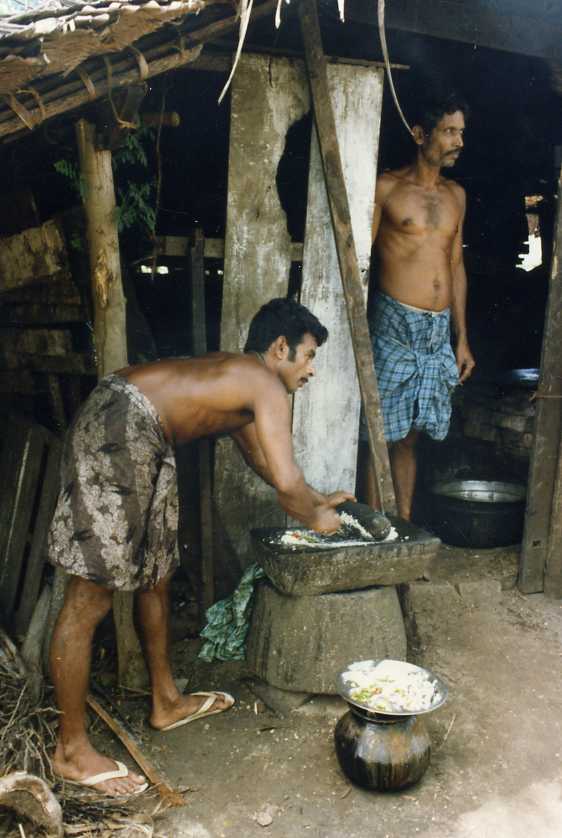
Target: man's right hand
325, 520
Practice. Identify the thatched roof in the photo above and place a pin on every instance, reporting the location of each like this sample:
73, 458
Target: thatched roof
62, 54
58, 35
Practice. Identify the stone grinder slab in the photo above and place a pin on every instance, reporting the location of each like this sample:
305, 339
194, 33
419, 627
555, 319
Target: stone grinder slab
309, 570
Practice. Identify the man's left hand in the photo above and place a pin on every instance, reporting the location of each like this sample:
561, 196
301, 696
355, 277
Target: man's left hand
335, 498
465, 362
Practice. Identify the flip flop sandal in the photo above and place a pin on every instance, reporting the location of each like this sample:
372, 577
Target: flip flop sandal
94, 779
204, 710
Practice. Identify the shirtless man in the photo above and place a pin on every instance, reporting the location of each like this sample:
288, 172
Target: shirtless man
417, 231
115, 526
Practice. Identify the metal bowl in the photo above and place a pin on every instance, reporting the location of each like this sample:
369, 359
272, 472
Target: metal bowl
481, 491
477, 513
344, 688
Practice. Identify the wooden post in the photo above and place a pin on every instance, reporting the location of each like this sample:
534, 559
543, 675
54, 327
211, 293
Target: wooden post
347, 258
103, 244
326, 415
542, 537
553, 569
110, 335
199, 331
267, 97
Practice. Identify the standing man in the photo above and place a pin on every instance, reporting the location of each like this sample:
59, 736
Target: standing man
115, 525
417, 231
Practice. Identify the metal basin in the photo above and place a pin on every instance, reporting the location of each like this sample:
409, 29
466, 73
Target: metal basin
478, 513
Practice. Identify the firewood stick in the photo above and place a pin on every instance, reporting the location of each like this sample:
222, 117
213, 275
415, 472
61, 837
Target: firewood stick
166, 792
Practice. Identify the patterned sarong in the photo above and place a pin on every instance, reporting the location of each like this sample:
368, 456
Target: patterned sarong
415, 366
117, 514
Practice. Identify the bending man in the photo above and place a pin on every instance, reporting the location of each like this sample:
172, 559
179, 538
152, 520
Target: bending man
115, 525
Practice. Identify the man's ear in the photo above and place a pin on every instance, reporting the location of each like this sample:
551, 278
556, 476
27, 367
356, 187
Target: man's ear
280, 348
419, 134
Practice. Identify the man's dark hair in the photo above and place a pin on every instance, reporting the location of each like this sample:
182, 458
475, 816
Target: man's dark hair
433, 104
283, 317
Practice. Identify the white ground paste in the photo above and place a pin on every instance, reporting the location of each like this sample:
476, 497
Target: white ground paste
391, 686
303, 538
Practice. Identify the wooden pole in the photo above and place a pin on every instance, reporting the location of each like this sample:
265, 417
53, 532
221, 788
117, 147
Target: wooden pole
153, 774
199, 331
103, 243
553, 339
542, 537
110, 335
347, 258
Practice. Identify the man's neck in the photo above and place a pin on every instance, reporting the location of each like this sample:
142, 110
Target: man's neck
425, 174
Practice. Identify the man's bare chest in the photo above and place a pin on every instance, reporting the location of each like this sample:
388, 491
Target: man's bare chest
417, 212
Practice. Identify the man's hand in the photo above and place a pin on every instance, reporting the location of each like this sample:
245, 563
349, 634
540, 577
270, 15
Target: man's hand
465, 361
325, 520
335, 498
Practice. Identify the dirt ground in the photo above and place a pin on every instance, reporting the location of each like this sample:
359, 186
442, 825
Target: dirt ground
496, 767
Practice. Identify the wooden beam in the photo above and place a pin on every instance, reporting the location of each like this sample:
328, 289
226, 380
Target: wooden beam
326, 415
345, 246
542, 534
516, 26
175, 247
196, 265
553, 569
118, 726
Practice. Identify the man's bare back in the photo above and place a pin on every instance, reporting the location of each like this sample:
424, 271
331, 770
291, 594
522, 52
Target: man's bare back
206, 396
245, 396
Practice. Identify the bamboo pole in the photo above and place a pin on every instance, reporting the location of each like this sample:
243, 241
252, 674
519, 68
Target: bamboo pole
110, 336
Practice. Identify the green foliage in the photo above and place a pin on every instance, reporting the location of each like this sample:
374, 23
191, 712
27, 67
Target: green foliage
134, 207
70, 171
136, 197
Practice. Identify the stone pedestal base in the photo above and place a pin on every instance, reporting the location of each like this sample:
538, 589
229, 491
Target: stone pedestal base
301, 644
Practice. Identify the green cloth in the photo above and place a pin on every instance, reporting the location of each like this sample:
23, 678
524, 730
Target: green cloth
228, 621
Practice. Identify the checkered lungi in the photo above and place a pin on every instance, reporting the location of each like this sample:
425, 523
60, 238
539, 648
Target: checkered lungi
415, 366
116, 518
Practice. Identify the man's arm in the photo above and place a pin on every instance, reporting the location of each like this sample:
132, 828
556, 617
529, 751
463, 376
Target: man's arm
266, 446
465, 360
385, 184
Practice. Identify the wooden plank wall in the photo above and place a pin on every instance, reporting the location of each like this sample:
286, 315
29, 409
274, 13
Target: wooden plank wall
268, 95
326, 413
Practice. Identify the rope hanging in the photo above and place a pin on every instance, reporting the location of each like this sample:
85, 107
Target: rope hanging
122, 123
384, 46
142, 63
20, 111
32, 92
245, 14
88, 84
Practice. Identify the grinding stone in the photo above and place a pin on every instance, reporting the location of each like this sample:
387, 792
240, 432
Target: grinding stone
309, 572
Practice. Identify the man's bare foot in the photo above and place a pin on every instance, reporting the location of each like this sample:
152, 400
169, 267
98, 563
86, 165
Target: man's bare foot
79, 762
181, 709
